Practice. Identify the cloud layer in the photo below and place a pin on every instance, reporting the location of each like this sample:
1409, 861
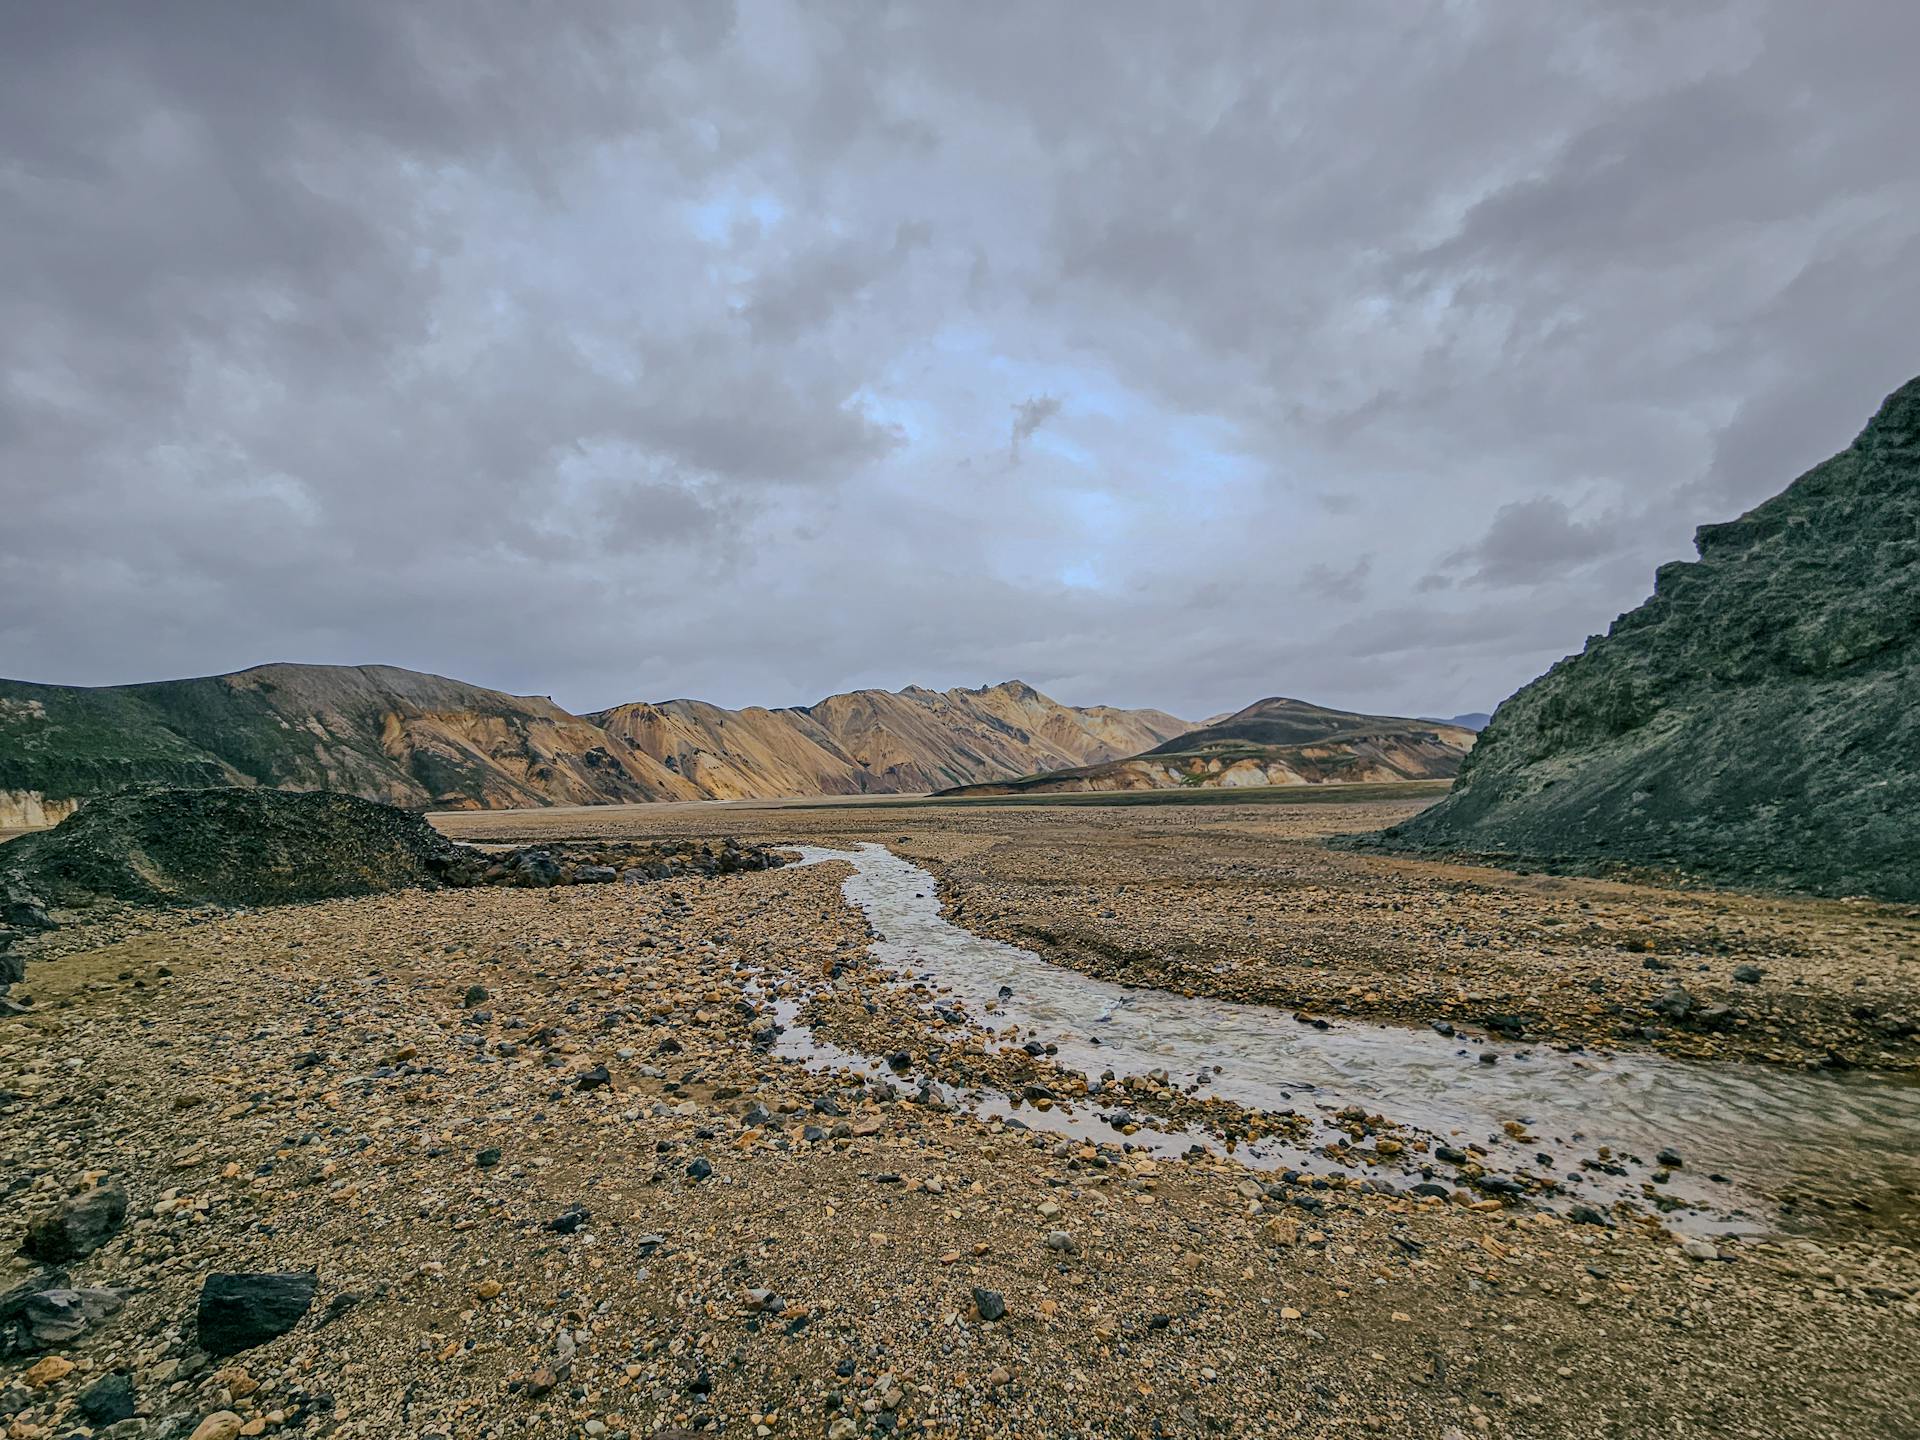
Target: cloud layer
1154, 356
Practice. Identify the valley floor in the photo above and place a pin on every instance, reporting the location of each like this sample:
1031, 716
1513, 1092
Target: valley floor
716, 1238
1241, 901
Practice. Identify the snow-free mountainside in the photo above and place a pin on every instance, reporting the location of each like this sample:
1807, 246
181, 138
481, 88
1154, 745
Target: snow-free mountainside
1756, 721
427, 742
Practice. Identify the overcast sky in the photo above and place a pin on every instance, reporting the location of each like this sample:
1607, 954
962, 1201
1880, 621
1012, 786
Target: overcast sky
1156, 354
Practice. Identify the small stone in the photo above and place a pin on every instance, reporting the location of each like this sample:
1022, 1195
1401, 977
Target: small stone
476, 995
699, 1169
487, 1289
570, 1220
50, 1371
221, 1425
991, 1304
593, 1079
1748, 974
108, 1400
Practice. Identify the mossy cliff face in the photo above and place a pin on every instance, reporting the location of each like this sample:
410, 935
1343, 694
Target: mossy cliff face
1756, 722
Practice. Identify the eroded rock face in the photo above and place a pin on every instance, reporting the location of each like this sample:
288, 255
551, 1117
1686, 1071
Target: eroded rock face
1757, 721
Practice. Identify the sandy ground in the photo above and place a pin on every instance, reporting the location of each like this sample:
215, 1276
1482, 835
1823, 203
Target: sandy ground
768, 1250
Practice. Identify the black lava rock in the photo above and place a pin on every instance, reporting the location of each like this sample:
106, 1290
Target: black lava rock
108, 1400
991, 1304
569, 1220
238, 1312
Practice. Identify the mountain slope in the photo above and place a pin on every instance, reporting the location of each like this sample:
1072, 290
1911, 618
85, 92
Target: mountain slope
427, 742
1756, 721
374, 730
1272, 742
879, 741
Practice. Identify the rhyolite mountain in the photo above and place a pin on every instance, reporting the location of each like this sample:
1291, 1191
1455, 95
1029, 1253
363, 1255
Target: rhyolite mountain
879, 741
1756, 722
427, 742
1275, 741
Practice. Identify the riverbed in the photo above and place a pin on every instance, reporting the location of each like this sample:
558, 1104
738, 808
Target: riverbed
1713, 1148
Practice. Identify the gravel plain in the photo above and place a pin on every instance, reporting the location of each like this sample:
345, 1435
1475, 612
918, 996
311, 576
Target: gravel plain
550, 1178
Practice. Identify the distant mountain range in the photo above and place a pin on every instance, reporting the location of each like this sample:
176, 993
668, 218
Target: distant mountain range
1474, 720
427, 742
1276, 741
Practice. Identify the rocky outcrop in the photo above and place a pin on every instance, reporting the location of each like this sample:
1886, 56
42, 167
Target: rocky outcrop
30, 810
1756, 722
227, 845
234, 846
1276, 741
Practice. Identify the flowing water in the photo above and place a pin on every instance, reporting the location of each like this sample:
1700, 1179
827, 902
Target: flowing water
1748, 1134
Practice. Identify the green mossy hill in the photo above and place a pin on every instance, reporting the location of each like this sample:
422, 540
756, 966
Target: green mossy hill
225, 846
1756, 722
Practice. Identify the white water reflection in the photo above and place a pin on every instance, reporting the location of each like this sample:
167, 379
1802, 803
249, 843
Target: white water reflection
1760, 1128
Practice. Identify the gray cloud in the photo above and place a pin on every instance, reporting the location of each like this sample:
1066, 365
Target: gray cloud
1028, 416
1531, 541
614, 353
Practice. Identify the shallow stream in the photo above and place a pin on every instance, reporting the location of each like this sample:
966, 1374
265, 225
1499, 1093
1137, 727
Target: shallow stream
1749, 1136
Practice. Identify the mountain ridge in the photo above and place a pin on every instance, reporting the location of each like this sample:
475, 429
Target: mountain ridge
1275, 741
426, 741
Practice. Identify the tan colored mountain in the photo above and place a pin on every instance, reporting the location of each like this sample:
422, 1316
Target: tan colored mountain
1272, 742
427, 742
880, 741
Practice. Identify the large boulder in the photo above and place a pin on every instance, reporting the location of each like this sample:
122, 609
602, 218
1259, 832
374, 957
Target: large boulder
238, 1312
1756, 722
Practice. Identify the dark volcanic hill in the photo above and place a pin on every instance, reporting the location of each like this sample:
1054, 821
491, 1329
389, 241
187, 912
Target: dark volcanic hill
1757, 721
1272, 742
